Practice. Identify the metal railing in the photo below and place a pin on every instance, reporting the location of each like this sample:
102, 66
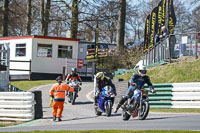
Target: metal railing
173, 47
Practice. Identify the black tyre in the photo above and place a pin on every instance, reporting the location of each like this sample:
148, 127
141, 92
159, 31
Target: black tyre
97, 112
125, 115
142, 114
74, 98
108, 108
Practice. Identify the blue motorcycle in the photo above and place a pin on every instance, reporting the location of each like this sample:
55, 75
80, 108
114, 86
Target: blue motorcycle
105, 101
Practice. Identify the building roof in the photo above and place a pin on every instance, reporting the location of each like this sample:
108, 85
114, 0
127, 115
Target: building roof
41, 37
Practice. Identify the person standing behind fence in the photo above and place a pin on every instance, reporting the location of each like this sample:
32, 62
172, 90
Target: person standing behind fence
57, 92
164, 32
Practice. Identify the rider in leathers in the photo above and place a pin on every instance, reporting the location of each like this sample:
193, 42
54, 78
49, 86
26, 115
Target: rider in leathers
137, 81
101, 82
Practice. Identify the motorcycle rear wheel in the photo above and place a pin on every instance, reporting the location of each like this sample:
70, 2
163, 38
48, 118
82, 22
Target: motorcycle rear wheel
142, 114
125, 115
108, 108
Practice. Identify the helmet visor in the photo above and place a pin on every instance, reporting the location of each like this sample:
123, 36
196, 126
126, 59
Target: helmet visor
143, 71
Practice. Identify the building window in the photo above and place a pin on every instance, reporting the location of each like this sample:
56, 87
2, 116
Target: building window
64, 51
20, 50
44, 50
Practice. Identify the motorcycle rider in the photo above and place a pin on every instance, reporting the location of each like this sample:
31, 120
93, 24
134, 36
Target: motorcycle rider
101, 82
137, 81
74, 75
57, 92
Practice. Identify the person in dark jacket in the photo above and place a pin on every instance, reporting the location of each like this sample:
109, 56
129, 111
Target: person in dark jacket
137, 81
101, 82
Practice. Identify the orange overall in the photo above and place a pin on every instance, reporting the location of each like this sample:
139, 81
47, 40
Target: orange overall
58, 92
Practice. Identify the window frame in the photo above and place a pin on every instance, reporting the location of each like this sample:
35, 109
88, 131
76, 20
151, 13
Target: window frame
20, 47
43, 47
65, 49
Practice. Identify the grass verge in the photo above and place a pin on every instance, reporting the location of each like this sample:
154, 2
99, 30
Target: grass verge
172, 110
178, 72
26, 85
5, 124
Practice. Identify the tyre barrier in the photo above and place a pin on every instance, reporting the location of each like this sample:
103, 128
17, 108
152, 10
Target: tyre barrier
16, 106
38, 104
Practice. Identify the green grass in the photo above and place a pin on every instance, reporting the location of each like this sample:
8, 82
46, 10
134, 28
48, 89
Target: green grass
26, 85
172, 110
117, 131
5, 124
172, 73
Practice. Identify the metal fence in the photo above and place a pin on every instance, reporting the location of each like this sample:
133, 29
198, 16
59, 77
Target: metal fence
4, 66
173, 47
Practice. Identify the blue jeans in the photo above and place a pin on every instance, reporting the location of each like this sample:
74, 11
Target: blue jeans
130, 93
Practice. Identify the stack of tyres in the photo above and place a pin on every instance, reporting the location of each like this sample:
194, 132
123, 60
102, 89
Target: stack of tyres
38, 104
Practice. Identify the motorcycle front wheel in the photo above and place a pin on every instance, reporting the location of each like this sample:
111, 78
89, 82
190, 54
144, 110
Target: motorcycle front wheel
125, 115
108, 108
74, 97
143, 112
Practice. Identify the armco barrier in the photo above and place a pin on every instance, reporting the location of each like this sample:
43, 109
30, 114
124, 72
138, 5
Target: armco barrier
186, 95
17, 106
176, 95
163, 96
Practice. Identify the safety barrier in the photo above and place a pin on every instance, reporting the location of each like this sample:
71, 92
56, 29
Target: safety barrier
176, 95
168, 95
17, 106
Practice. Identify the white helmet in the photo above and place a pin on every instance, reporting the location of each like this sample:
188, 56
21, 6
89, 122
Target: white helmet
142, 70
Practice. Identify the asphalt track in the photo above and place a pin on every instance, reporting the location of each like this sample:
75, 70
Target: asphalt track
81, 116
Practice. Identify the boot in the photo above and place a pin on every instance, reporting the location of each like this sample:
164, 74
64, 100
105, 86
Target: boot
59, 119
116, 109
121, 102
95, 101
54, 118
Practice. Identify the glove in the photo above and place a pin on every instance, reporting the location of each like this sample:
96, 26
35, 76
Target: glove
51, 102
153, 91
80, 83
115, 93
79, 88
97, 93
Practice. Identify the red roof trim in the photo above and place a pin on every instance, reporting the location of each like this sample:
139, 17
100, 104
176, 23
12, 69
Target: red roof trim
42, 37
56, 38
18, 37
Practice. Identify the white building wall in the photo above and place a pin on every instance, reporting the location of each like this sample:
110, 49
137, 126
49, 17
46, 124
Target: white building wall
19, 65
52, 64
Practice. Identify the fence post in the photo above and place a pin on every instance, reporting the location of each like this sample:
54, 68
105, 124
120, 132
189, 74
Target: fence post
30, 70
63, 73
197, 38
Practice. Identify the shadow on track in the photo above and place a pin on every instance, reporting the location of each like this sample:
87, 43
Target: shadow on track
81, 103
79, 118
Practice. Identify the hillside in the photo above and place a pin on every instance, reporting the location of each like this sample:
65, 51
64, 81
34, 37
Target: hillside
185, 70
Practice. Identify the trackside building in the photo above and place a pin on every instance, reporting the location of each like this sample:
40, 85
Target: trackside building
40, 57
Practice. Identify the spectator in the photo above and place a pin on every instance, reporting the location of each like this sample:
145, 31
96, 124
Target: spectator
164, 32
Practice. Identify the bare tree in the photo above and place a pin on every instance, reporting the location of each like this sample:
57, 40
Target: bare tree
5, 17
121, 24
42, 16
28, 22
74, 15
46, 17
196, 19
